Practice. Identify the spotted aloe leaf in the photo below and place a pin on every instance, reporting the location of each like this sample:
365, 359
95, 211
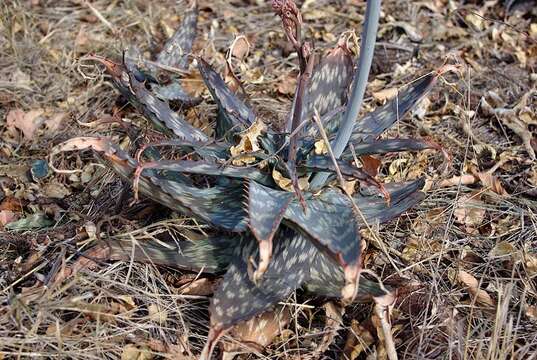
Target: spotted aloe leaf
329, 83
219, 205
266, 208
208, 151
330, 223
327, 279
175, 92
213, 255
129, 80
212, 169
376, 122
209, 255
233, 113
403, 196
176, 50
160, 113
132, 60
239, 298
274, 242
372, 125
120, 77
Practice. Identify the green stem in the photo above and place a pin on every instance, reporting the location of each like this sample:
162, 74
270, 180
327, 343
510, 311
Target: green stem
359, 85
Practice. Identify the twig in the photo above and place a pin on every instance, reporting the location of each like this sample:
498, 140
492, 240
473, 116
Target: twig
100, 16
382, 310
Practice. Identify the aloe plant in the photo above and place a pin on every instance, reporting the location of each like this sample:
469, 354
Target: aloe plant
267, 239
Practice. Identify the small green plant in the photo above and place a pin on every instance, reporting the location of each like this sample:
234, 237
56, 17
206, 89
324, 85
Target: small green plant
281, 213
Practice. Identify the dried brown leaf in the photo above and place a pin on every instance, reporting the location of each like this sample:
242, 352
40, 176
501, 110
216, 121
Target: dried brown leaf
503, 249
133, 352
240, 47
370, 165
26, 122
333, 323
287, 85
286, 184
481, 296
531, 264
7, 216
385, 94
470, 211
358, 341
84, 262
531, 312
258, 332
199, 287
55, 190
193, 84
12, 204
157, 314
248, 143
54, 123
492, 182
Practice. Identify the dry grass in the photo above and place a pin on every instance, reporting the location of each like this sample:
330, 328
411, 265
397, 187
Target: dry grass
97, 312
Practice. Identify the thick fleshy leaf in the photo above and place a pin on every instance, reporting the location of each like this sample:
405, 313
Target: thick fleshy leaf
172, 92
160, 113
175, 92
327, 280
209, 255
402, 195
207, 150
214, 255
120, 78
155, 155
519, 5
176, 50
329, 220
220, 206
126, 78
132, 58
266, 208
238, 298
212, 169
376, 122
233, 113
329, 85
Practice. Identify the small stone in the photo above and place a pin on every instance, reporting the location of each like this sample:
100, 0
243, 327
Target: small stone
39, 170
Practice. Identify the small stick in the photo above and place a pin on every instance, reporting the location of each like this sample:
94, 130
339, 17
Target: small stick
100, 16
383, 304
